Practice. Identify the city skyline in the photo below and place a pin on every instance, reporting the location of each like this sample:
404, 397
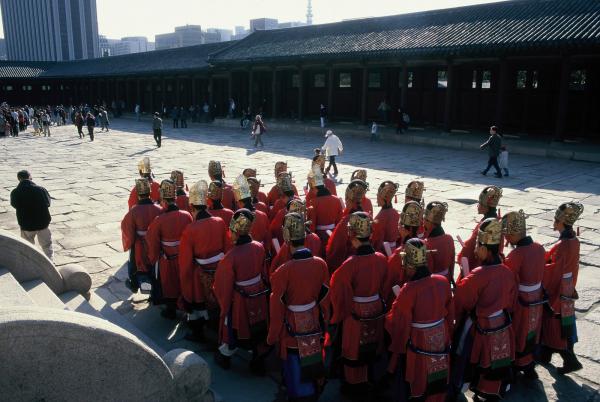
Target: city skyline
115, 16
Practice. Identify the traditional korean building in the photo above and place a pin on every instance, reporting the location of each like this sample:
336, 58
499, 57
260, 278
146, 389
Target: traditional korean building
528, 66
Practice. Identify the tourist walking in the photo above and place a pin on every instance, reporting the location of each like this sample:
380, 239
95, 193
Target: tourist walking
183, 116
157, 129
90, 121
137, 111
103, 120
79, 124
323, 114
175, 116
333, 147
31, 202
493, 145
258, 129
46, 123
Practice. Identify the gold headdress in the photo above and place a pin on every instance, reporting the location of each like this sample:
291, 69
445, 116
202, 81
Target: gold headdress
412, 214
254, 184
387, 190
142, 186
293, 227
414, 253
360, 174
491, 234
355, 191
215, 190
414, 190
359, 225
177, 177
241, 188
249, 172
514, 223
296, 205
168, 190
214, 169
284, 182
198, 193
569, 212
490, 196
280, 167
436, 212
241, 222
144, 165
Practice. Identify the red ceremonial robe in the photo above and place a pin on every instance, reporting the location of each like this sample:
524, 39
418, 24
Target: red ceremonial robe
527, 263
324, 214
357, 288
560, 279
312, 242
203, 244
396, 274
276, 226
228, 199
260, 230
183, 201
441, 261
260, 206
312, 193
239, 275
421, 321
262, 197
274, 194
134, 228
385, 229
367, 206
223, 213
469, 248
162, 239
154, 194
488, 291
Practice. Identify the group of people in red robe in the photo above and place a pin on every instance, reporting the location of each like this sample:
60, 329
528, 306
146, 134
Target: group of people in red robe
336, 292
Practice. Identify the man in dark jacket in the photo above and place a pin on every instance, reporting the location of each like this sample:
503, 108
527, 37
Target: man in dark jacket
31, 202
493, 145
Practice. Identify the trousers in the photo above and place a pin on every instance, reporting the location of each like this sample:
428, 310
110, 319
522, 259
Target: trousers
493, 161
44, 237
158, 136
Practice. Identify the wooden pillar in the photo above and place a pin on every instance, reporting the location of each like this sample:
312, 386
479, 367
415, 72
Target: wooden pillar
211, 88
503, 84
178, 91
300, 93
164, 93
404, 91
230, 86
449, 101
250, 87
194, 94
563, 97
151, 96
138, 94
330, 85
273, 93
363, 95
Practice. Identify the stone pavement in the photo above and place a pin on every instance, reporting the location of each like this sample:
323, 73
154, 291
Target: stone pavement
90, 182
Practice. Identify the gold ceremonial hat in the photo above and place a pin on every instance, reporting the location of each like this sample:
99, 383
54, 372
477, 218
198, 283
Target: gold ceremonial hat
241, 188
177, 177
215, 169
491, 234
280, 167
249, 172
387, 190
284, 182
359, 225
241, 222
415, 189
355, 191
414, 253
215, 190
315, 176
436, 212
569, 212
514, 223
293, 227
254, 184
198, 193
168, 189
360, 174
296, 205
490, 196
412, 214
144, 165
142, 186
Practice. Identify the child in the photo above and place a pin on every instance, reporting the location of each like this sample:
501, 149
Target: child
36, 126
503, 160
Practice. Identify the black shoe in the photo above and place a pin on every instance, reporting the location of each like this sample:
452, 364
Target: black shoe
498, 175
544, 356
132, 286
483, 172
570, 363
223, 361
169, 314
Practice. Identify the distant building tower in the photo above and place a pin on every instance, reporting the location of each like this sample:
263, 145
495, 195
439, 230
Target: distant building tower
309, 14
57, 30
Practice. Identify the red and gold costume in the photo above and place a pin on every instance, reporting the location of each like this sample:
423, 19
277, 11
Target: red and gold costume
182, 201
385, 225
441, 261
258, 198
357, 291
215, 172
134, 228
145, 171
526, 261
163, 239
260, 226
420, 325
216, 208
312, 243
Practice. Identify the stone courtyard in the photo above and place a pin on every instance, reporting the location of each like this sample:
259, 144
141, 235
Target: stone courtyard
90, 182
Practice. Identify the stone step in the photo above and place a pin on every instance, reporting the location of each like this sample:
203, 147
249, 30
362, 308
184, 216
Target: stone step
42, 295
75, 302
11, 292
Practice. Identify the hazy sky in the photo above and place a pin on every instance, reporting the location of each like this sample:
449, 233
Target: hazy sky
118, 18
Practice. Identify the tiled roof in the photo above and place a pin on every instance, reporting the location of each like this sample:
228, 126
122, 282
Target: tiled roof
487, 28
159, 61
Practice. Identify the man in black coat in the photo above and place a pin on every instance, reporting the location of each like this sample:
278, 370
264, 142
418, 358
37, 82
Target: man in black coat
493, 144
31, 202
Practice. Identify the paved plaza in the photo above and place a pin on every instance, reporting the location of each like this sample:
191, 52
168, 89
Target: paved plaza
90, 182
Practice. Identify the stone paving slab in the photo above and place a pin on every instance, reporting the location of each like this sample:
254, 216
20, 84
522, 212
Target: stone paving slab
90, 184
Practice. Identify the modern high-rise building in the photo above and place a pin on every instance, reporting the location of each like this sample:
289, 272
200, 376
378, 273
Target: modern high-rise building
224, 35
187, 35
56, 30
2, 49
263, 24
